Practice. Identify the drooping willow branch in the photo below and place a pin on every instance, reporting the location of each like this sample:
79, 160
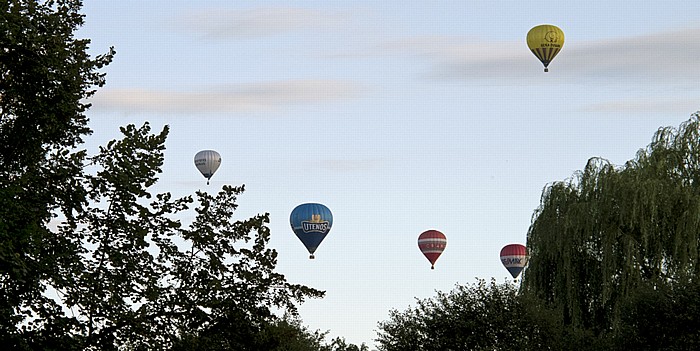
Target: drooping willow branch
597, 236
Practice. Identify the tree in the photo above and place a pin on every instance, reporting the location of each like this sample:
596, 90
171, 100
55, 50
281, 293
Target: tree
613, 264
661, 318
44, 74
339, 344
280, 334
132, 275
89, 257
471, 317
598, 237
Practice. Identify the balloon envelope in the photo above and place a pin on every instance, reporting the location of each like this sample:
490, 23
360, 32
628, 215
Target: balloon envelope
545, 41
311, 222
514, 258
207, 162
432, 243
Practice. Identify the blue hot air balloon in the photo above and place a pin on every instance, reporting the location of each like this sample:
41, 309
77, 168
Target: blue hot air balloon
311, 223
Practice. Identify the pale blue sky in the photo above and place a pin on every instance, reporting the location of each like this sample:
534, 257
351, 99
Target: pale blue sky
400, 116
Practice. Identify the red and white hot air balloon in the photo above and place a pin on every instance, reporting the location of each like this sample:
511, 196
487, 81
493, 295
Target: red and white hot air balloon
432, 243
514, 258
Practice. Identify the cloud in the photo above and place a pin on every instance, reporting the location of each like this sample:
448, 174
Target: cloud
262, 97
258, 22
465, 58
449, 49
665, 56
645, 105
670, 56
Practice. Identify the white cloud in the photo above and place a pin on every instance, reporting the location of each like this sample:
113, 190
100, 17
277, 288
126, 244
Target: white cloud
261, 97
454, 49
258, 22
678, 105
658, 57
653, 58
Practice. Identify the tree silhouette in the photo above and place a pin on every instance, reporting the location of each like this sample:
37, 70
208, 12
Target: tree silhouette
599, 235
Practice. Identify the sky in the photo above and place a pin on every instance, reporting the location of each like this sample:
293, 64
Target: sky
400, 116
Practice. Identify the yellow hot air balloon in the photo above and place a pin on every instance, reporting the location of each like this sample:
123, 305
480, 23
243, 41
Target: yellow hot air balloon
545, 41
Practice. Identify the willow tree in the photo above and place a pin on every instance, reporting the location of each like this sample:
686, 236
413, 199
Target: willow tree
608, 230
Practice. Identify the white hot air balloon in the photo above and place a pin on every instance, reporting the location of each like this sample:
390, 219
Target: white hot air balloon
207, 162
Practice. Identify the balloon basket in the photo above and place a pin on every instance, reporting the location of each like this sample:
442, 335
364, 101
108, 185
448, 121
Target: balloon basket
311, 257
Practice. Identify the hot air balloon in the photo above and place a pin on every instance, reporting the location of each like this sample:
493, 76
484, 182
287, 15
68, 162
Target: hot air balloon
545, 41
514, 258
432, 243
311, 222
207, 162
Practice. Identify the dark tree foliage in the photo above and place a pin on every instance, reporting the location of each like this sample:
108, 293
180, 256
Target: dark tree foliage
131, 275
600, 236
279, 334
44, 75
471, 317
285, 333
661, 318
339, 344
613, 266
89, 257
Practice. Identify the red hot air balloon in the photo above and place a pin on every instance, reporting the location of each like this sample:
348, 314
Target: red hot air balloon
514, 258
432, 243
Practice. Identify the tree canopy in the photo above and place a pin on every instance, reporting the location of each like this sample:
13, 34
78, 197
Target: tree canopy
90, 258
599, 235
45, 73
481, 316
613, 265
